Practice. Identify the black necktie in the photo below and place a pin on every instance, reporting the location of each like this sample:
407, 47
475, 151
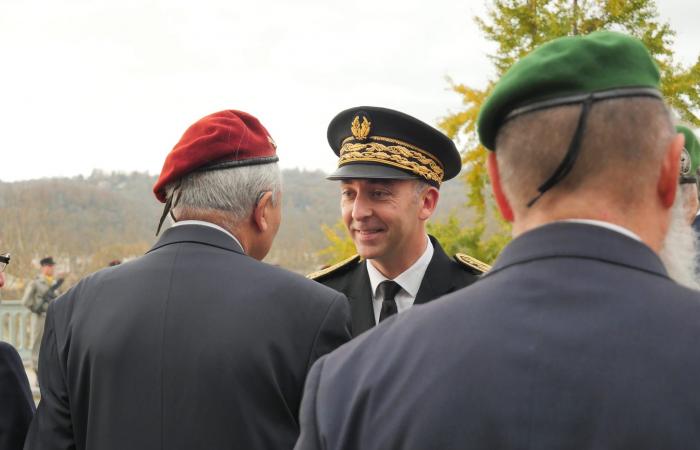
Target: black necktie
388, 290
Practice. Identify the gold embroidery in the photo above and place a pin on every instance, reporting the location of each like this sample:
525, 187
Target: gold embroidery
360, 130
334, 267
415, 161
472, 262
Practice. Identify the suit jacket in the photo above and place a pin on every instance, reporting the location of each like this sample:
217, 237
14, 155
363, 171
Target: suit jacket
576, 339
442, 276
16, 403
194, 345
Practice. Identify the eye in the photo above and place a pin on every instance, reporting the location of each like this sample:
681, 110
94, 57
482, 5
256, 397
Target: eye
347, 193
380, 194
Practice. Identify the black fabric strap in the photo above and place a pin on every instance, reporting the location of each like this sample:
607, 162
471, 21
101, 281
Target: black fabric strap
241, 163
580, 98
571, 153
169, 205
388, 290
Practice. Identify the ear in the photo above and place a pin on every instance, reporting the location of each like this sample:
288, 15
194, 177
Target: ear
429, 200
261, 212
668, 178
495, 176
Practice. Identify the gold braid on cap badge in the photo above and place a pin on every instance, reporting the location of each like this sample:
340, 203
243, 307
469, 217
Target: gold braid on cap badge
400, 154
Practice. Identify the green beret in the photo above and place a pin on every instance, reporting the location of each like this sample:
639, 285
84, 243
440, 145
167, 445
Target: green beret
569, 70
690, 158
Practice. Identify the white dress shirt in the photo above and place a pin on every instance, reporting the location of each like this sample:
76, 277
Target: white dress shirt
409, 280
210, 225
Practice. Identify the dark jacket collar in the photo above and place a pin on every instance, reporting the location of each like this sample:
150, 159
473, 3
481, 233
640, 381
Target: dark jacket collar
438, 279
566, 239
201, 234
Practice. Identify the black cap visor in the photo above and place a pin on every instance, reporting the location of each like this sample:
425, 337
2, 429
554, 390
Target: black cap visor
370, 171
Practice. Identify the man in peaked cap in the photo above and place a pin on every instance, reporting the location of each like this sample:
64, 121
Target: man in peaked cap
577, 337
390, 169
196, 344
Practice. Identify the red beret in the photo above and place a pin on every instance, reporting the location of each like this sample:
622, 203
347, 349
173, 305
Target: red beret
218, 141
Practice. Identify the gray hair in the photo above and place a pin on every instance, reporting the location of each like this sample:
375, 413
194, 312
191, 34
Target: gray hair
623, 143
234, 192
420, 187
679, 251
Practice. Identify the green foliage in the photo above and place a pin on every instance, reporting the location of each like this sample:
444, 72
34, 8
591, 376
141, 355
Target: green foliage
518, 26
473, 240
340, 244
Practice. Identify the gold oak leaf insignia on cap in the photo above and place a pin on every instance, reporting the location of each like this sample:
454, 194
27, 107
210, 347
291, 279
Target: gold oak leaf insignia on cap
360, 130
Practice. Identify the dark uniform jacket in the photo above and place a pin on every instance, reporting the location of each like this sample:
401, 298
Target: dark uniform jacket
192, 346
442, 276
16, 403
576, 339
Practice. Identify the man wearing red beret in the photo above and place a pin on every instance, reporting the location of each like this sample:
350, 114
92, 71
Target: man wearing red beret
196, 344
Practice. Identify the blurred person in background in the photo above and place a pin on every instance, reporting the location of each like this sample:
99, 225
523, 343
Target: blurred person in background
680, 250
38, 294
16, 403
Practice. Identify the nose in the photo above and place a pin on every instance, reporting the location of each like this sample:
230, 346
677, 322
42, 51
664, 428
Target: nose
361, 208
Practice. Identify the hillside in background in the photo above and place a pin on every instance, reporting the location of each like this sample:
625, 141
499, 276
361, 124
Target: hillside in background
85, 222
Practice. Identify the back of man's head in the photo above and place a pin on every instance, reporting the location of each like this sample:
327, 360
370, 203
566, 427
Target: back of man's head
618, 164
230, 194
579, 130
224, 171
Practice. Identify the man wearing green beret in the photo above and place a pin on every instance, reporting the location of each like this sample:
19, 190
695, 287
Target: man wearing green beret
577, 337
679, 253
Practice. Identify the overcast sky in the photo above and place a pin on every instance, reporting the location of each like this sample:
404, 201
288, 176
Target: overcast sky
113, 84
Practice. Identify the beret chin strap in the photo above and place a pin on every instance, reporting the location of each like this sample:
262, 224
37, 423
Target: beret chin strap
169, 205
571, 154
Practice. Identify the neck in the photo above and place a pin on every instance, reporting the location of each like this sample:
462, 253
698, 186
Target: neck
222, 220
394, 265
643, 219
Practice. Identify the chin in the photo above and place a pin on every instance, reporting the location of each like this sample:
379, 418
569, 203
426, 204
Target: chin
368, 252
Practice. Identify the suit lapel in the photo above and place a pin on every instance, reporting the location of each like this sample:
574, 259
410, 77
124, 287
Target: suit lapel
437, 280
359, 293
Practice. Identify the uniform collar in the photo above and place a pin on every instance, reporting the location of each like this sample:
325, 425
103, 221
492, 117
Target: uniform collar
410, 279
581, 241
610, 226
197, 233
207, 224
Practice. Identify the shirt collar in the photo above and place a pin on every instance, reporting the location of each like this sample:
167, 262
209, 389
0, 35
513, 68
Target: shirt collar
410, 279
610, 226
210, 225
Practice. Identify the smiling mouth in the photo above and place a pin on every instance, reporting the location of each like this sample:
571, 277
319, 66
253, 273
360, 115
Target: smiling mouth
369, 232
